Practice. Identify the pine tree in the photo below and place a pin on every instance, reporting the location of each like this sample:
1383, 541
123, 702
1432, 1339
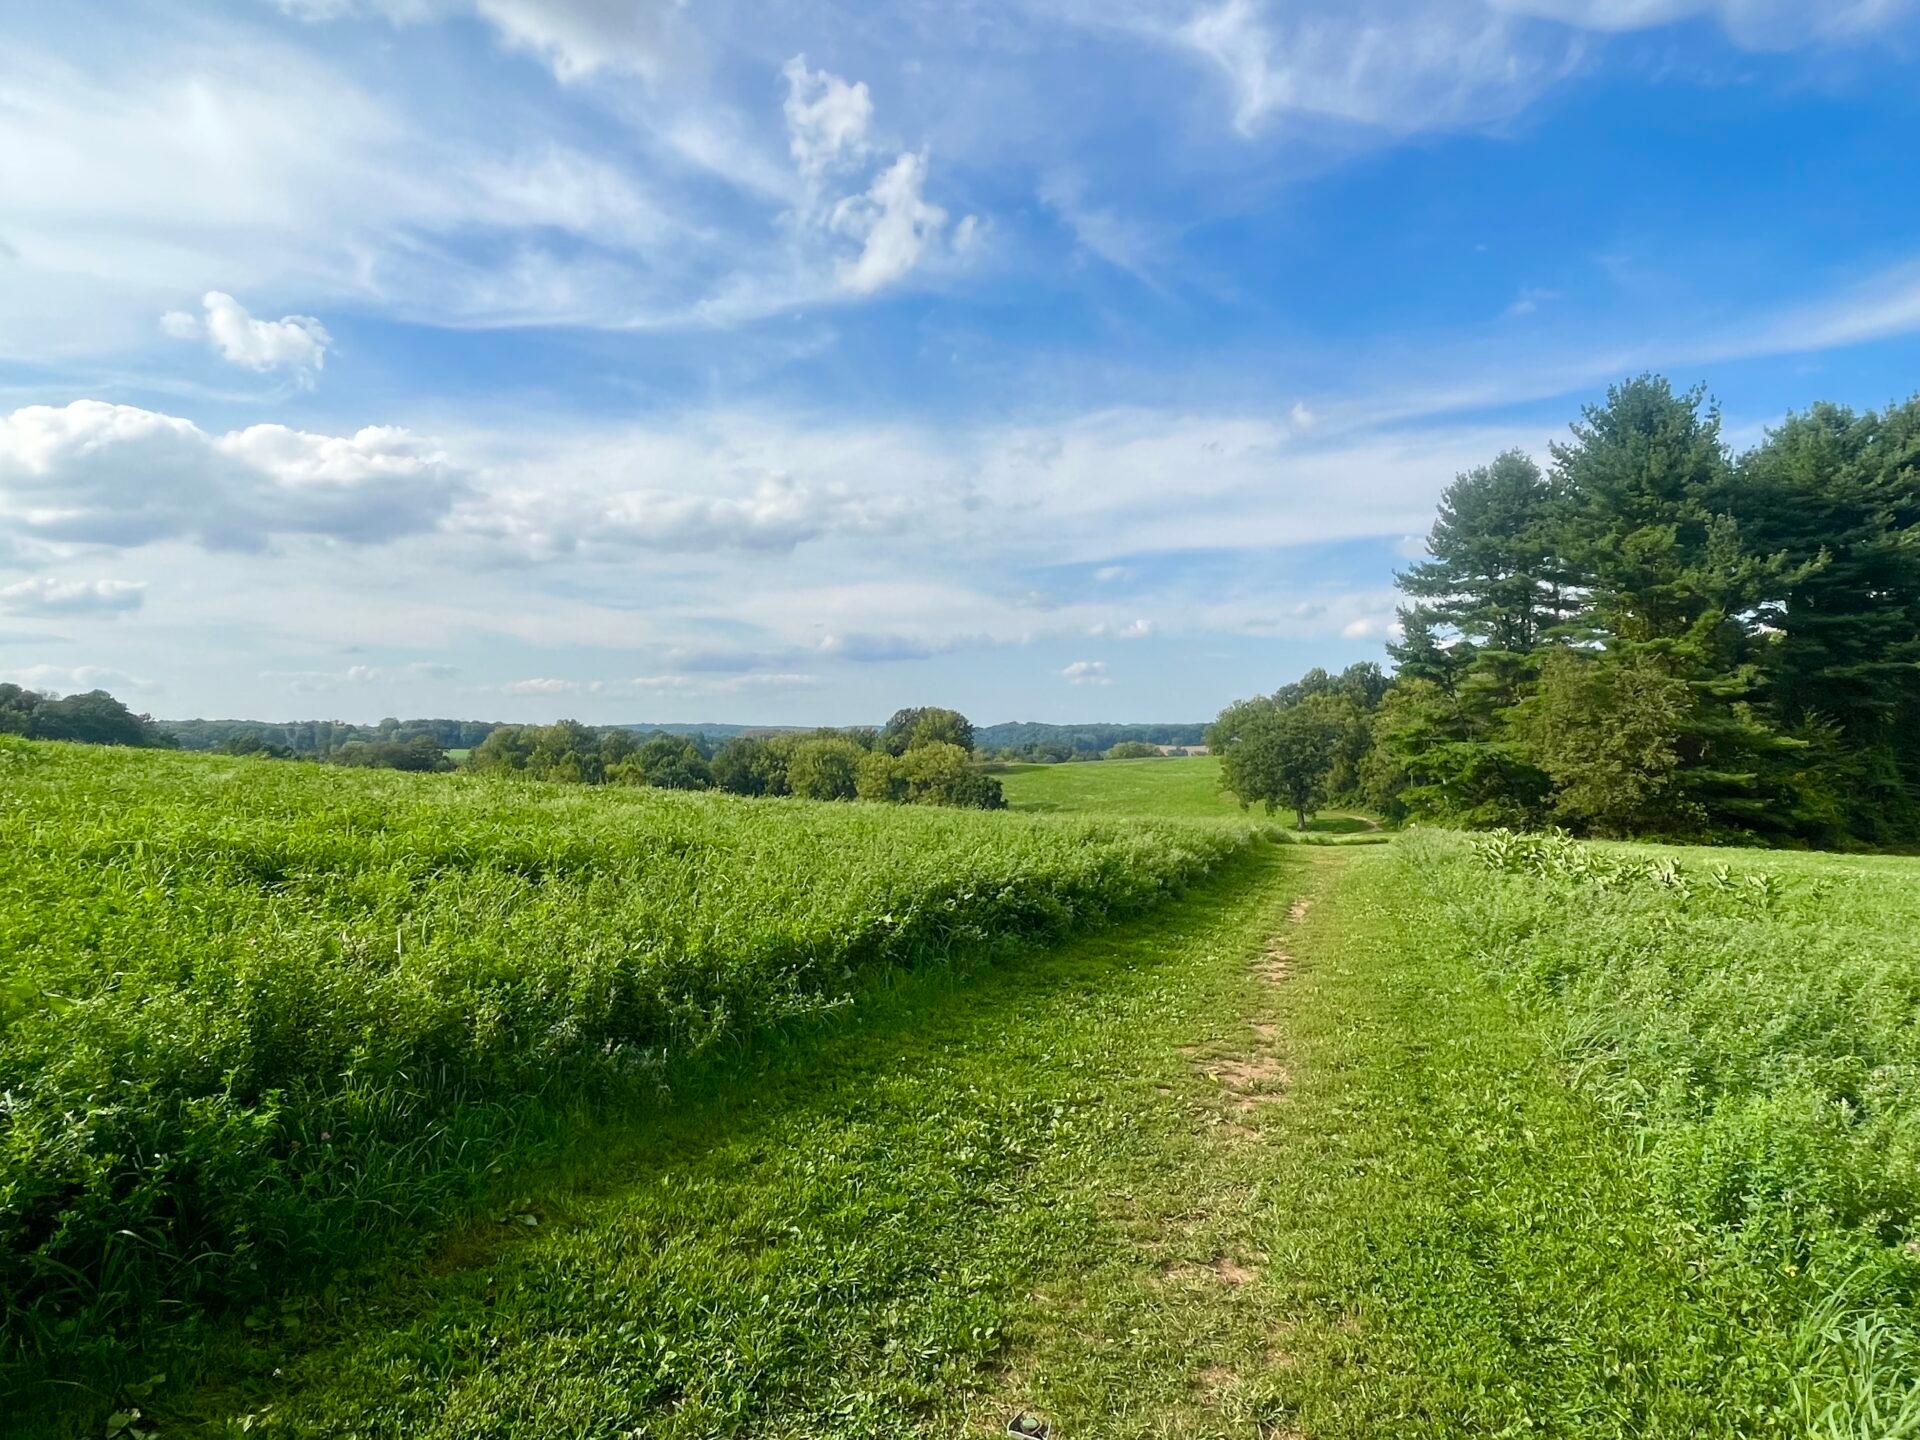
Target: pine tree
1837, 497
1666, 579
1492, 578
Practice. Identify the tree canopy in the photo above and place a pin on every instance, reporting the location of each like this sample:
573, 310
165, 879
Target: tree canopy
1650, 636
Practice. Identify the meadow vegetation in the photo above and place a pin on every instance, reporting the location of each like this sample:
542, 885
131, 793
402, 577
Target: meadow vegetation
1749, 1024
258, 1016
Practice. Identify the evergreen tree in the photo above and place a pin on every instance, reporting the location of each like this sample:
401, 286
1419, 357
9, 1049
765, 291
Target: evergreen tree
1665, 579
1492, 578
1836, 496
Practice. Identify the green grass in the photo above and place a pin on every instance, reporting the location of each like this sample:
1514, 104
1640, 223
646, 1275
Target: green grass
1158, 1183
258, 1016
1752, 1022
1499, 1137
1176, 788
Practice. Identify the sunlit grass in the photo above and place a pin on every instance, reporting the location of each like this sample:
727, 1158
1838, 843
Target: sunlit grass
259, 1014
1178, 787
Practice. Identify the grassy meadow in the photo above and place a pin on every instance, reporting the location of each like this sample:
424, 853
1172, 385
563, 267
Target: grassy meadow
417, 1106
1179, 787
257, 1015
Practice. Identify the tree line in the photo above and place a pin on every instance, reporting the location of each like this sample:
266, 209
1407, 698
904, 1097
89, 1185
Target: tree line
922, 756
1650, 636
92, 717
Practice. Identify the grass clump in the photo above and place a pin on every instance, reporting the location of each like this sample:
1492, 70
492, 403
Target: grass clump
254, 1017
1754, 1023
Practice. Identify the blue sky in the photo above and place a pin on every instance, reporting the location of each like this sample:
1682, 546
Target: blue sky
633, 359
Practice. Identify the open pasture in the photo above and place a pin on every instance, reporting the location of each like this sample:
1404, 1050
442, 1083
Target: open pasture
1179, 787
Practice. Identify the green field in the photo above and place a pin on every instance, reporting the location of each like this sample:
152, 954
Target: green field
1185, 787
1457, 1136
257, 1014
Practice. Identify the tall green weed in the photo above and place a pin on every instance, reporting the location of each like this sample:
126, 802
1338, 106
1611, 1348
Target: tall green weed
1753, 1021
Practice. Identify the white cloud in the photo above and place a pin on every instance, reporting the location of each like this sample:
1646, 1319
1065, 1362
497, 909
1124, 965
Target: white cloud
45, 595
896, 226
576, 39
1300, 417
1397, 66
547, 686
1087, 672
294, 342
1132, 630
779, 513
119, 475
827, 118
579, 38
893, 223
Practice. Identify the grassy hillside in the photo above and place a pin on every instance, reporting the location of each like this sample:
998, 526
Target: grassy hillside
257, 1013
1175, 788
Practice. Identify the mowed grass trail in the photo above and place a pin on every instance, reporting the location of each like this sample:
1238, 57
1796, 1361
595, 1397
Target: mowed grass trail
1184, 787
1258, 1165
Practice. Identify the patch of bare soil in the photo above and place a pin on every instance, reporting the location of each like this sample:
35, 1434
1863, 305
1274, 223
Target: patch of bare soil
1221, 1270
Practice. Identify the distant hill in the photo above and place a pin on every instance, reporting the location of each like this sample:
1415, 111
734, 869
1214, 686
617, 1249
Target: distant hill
1037, 736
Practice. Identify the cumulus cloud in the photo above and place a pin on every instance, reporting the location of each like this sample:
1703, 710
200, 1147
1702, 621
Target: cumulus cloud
1132, 630
827, 118
894, 224
45, 595
294, 342
548, 685
1087, 672
119, 475
891, 219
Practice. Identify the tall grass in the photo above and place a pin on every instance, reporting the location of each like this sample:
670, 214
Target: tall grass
255, 1016
1754, 1022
